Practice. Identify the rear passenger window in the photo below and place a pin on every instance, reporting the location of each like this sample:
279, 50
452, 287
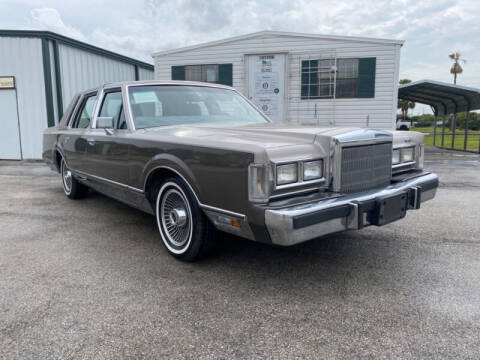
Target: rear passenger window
112, 106
84, 114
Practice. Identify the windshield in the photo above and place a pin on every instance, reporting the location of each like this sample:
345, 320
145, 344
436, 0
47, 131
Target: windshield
163, 105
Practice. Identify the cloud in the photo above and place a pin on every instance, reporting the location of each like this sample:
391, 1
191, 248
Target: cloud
50, 19
432, 28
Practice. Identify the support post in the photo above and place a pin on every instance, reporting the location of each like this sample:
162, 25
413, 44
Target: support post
467, 117
47, 78
443, 128
435, 118
58, 79
137, 76
454, 126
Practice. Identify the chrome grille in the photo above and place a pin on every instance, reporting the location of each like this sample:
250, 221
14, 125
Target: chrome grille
366, 167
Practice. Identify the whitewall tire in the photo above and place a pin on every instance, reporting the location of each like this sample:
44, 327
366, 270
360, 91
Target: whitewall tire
185, 230
71, 187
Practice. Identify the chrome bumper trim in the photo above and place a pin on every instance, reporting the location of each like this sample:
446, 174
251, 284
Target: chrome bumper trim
296, 224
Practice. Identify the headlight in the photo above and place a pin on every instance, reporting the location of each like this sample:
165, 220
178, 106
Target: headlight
312, 170
408, 154
396, 157
287, 174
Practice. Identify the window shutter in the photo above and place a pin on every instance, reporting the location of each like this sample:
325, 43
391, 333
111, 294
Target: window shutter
366, 77
304, 88
225, 74
178, 72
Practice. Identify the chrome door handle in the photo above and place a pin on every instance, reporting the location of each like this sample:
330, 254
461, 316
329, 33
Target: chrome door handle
91, 141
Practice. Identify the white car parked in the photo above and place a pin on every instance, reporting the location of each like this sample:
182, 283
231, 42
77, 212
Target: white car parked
403, 125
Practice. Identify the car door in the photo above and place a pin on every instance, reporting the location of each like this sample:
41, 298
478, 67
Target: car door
107, 150
73, 142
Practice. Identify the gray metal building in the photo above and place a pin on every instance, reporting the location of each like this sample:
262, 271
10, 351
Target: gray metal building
40, 71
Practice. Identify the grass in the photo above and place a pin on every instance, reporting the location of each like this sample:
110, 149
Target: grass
472, 141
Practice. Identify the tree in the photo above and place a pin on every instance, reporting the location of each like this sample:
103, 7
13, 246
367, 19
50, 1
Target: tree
456, 68
404, 105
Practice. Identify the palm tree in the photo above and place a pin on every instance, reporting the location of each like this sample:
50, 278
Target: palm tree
404, 105
456, 68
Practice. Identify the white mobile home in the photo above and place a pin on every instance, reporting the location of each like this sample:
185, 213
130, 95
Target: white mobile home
298, 78
40, 72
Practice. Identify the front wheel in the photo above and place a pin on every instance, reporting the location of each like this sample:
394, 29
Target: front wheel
184, 228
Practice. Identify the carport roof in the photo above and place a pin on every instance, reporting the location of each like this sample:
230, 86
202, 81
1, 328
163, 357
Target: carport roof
443, 97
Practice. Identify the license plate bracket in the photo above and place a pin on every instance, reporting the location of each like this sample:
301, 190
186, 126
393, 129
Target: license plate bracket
389, 208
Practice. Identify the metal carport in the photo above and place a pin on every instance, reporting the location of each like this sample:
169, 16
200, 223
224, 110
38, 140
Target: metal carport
444, 99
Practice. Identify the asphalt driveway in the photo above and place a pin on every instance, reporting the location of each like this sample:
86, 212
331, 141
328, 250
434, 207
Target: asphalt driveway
90, 279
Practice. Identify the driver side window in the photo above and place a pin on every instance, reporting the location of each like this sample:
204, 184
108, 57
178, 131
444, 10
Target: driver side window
112, 106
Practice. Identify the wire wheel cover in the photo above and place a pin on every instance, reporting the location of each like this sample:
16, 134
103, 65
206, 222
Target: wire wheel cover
176, 218
66, 177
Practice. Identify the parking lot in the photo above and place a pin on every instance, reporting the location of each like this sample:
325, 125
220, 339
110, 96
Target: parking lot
91, 279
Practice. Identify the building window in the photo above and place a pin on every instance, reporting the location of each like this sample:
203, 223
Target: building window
212, 73
347, 78
205, 73
339, 78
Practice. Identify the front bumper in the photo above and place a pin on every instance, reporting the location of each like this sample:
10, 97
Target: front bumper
296, 224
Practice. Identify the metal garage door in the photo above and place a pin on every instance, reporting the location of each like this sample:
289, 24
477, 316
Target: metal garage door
9, 134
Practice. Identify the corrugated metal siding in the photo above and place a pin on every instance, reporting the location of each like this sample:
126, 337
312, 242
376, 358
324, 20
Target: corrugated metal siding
380, 110
22, 58
144, 74
81, 70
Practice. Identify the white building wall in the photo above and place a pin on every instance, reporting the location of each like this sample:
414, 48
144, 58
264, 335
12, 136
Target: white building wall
22, 58
380, 110
82, 70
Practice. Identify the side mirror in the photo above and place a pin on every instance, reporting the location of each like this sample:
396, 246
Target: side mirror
105, 122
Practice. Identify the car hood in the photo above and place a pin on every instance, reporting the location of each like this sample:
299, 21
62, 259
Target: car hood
265, 136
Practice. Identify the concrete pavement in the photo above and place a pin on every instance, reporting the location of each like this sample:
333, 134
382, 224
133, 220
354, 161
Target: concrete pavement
90, 279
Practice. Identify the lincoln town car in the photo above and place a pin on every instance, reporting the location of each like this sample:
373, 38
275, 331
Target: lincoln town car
203, 159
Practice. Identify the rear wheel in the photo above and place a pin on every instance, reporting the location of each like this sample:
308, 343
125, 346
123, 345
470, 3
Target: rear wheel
184, 228
72, 188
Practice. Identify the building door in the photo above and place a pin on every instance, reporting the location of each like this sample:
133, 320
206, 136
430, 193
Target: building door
10, 133
266, 84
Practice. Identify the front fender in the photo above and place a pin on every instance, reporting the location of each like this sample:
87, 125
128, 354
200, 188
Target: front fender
174, 164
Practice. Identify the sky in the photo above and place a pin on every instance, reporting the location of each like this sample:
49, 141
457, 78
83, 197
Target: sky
432, 29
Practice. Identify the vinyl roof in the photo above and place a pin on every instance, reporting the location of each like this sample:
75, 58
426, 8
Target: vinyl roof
280, 33
445, 98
